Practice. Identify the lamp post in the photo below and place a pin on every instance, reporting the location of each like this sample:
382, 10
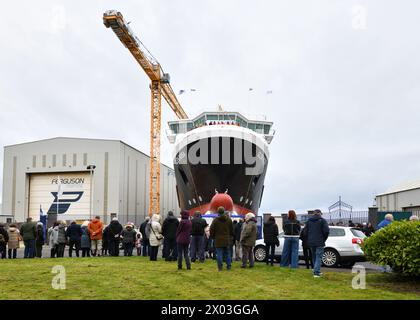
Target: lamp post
91, 167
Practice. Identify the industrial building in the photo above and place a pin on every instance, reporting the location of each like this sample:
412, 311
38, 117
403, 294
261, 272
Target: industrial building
66, 177
404, 197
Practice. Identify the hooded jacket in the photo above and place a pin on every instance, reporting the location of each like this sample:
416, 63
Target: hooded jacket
184, 230
74, 232
198, 225
53, 236
28, 231
85, 238
271, 232
249, 233
115, 229
14, 237
62, 239
169, 227
156, 236
129, 235
95, 228
221, 230
317, 231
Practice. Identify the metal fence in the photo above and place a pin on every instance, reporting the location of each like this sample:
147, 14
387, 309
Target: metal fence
345, 216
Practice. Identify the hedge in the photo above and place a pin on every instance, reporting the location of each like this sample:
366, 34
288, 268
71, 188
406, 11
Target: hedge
396, 245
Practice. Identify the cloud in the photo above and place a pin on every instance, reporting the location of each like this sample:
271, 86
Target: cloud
345, 102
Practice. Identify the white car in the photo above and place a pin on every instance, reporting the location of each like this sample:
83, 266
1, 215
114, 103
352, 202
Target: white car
341, 248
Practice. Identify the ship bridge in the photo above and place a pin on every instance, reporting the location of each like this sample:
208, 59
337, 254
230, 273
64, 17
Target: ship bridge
220, 118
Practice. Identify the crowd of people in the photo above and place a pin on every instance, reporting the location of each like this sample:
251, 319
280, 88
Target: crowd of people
189, 239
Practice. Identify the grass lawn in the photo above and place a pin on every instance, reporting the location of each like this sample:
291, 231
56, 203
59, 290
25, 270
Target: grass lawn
139, 278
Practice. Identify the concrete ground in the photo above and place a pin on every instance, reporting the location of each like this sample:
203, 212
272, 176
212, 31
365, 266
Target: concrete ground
369, 267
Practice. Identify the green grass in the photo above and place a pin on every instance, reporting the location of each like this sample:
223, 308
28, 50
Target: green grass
139, 278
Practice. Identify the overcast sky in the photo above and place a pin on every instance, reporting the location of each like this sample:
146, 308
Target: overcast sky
345, 77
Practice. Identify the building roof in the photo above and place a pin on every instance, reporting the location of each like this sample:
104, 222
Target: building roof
411, 185
73, 138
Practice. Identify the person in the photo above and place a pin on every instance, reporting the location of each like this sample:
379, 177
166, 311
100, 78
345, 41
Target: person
318, 232
248, 238
95, 229
207, 242
105, 241
291, 228
414, 218
237, 235
387, 220
221, 230
351, 224
271, 239
155, 236
85, 240
53, 239
138, 243
62, 239
4, 238
307, 254
128, 239
145, 239
183, 233
13, 243
169, 228
39, 241
198, 225
115, 229
368, 229
74, 235
28, 233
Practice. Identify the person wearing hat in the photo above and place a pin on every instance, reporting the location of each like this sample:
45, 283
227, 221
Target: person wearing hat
221, 230
248, 238
155, 236
183, 235
128, 239
115, 229
169, 228
317, 231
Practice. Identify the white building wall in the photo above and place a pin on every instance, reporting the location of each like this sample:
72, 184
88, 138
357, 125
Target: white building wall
399, 200
116, 186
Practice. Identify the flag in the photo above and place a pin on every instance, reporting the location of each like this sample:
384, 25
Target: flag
43, 219
181, 91
269, 91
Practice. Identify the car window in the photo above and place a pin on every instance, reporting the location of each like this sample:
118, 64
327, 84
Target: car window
337, 232
358, 233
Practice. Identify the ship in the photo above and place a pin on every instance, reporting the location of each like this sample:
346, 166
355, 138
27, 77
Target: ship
220, 152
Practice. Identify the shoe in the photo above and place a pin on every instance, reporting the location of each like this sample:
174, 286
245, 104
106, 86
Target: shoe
317, 276
243, 267
189, 268
251, 266
179, 268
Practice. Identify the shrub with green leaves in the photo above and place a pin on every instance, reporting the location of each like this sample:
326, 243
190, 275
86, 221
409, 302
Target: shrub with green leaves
396, 245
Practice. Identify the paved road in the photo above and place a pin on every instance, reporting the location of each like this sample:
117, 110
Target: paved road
369, 267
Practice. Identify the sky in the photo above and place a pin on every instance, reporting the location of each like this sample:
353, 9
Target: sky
344, 76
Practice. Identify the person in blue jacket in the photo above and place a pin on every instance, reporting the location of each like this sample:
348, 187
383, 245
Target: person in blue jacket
388, 219
317, 232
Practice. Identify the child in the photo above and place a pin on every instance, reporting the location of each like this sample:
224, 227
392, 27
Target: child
138, 243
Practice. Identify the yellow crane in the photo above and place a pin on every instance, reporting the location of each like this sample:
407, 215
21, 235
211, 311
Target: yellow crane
159, 86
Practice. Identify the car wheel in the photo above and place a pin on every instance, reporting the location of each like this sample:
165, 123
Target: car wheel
330, 258
259, 253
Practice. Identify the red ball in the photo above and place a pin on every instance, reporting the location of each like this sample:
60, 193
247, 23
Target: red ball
221, 200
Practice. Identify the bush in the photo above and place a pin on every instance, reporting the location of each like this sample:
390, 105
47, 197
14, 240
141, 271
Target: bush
396, 245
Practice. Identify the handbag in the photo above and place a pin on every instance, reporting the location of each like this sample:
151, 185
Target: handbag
160, 237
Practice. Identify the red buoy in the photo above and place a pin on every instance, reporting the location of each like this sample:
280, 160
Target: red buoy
221, 200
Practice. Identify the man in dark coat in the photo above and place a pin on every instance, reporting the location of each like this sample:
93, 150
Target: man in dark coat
169, 228
74, 234
221, 230
198, 226
115, 229
28, 233
271, 240
317, 233
145, 239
